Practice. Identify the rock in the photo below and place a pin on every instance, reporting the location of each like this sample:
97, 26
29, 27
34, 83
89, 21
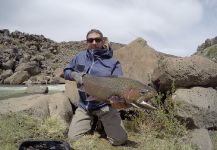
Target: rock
71, 92
138, 60
59, 106
185, 72
32, 67
213, 136
6, 74
36, 89
17, 78
9, 64
56, 80
33, 48
37, 58
54, 105
207, 43
201, 140
197, 107
40, 79
209, 52
58, 72
208, 49
5, 32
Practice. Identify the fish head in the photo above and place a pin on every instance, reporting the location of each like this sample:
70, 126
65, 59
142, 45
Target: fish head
138, 95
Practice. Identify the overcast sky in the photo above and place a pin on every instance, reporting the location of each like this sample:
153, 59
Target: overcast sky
171, 26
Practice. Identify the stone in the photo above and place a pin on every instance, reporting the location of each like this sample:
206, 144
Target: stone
37, 89
197, 107
31, 67
17, 78
6, 73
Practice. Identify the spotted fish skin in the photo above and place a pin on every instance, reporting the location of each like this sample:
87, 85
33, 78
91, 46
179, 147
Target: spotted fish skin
132, 91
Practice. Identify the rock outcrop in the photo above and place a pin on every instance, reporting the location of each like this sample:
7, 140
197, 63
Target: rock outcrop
139, 60
208, 49
185, 72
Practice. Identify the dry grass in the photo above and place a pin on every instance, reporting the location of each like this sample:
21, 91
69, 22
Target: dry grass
155, 130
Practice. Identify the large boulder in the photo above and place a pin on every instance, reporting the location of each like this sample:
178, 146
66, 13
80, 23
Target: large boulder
197, 106
54, 105
201, 140
185, 72
71, 91
138, 60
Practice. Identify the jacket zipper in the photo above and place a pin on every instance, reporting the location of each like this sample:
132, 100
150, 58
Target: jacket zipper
93, 62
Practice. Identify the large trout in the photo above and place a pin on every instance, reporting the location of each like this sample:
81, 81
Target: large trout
131, 91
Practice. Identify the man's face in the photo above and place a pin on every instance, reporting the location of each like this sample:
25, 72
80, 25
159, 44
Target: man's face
94, 41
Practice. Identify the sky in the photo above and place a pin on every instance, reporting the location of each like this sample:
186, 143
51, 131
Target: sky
174, 27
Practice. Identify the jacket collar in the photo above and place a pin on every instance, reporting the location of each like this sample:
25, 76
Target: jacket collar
100, 53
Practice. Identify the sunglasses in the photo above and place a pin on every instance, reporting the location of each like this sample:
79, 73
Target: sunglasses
97, 40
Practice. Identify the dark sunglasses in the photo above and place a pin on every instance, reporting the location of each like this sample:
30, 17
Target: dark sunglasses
97, 40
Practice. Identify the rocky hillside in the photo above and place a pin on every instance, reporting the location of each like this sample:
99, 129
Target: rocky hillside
34, 58
208, 49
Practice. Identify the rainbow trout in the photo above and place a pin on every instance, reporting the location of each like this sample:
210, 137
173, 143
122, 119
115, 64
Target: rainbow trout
131, 91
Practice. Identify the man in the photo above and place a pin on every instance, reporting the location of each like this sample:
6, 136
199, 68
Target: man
98, 61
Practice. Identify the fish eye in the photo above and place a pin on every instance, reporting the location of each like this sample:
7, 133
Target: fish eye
143, 91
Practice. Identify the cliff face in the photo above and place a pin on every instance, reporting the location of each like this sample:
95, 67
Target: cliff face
35, 57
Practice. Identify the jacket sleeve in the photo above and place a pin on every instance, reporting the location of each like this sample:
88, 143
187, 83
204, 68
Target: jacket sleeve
117, 71
69, 68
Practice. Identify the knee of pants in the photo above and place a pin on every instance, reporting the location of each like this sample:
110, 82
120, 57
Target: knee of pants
117, 142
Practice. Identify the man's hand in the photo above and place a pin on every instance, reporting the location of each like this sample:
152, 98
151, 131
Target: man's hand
78, 77
118, 103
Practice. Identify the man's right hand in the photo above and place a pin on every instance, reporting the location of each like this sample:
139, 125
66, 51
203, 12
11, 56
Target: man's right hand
78, 77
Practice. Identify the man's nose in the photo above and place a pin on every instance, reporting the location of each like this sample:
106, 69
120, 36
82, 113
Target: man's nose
94, 42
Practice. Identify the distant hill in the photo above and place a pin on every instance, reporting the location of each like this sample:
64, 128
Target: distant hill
208, 49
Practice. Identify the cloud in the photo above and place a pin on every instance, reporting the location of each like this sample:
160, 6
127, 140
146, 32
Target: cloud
169, 25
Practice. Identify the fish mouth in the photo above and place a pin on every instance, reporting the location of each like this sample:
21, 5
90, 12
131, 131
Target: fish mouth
145, 98
146, 105
143, 105
142, 102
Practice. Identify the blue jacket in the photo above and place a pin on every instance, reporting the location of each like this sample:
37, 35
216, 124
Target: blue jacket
95, 62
